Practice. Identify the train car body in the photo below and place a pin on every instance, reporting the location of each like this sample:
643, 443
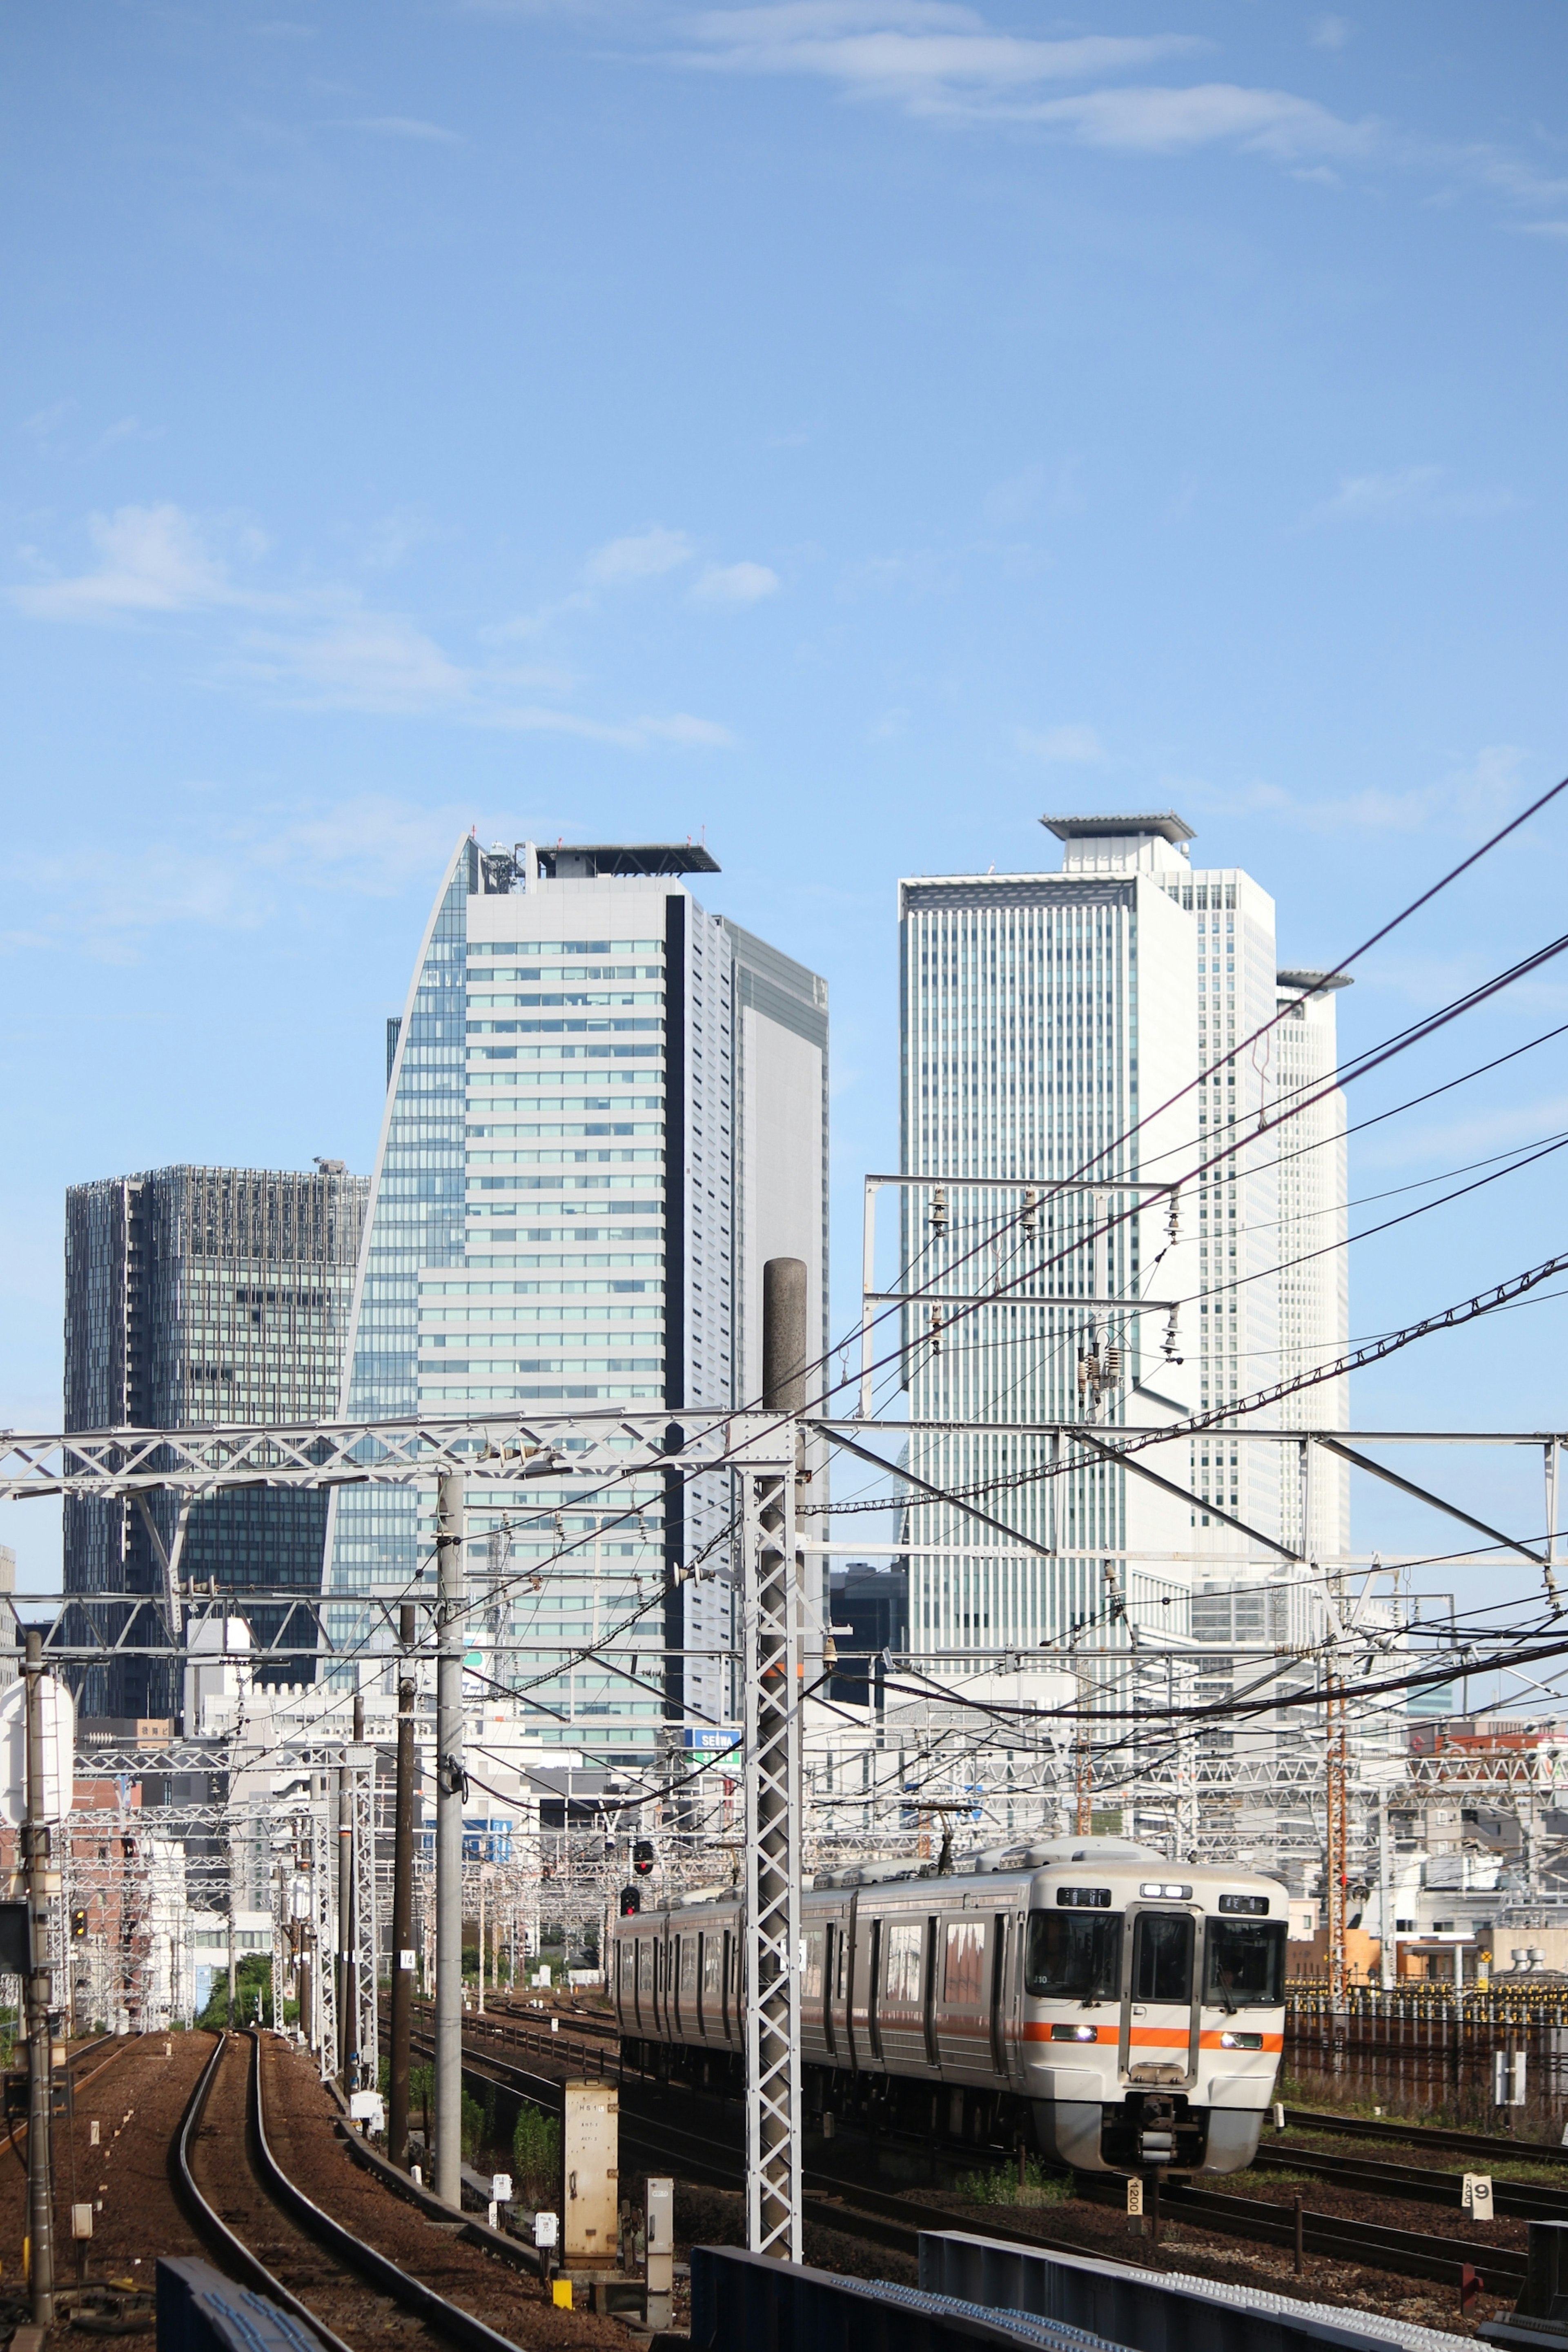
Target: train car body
1120, 2012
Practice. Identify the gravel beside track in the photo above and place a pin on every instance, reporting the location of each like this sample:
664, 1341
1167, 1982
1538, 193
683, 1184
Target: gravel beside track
137, 2102
301, 2126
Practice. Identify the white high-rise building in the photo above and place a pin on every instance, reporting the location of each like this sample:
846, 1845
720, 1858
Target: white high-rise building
1053, 1026
606, 1108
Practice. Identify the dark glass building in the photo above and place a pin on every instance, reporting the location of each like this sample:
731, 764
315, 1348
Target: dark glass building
197, 1295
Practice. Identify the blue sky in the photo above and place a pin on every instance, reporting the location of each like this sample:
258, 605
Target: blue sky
851, 429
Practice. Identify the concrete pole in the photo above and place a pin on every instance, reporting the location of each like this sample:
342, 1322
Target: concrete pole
451, 1548
1385, 1895
40, 2067
402, 1910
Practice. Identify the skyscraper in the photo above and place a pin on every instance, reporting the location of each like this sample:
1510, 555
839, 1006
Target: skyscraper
606, 1108
1054, 1025
201, 1295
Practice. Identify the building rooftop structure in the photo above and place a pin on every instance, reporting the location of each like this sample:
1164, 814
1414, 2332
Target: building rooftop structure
1169, 827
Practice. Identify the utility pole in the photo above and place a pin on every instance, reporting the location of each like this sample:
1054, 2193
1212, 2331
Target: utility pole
450, 1781
42, 1883
403, 1900
771, 1575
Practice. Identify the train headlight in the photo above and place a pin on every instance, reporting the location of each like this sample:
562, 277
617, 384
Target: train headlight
1241, 2041
1075, 2033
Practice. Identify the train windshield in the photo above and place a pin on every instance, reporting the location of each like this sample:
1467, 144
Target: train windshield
1245, 1966
1163, 1956
1074, 1956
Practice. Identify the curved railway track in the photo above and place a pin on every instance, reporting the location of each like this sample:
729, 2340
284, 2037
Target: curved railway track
838, 2203
266, 2230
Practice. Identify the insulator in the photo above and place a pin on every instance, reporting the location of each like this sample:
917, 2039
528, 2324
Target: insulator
939, 1210
1029, 1205
1174, 1215
1112, 1366
936, 1330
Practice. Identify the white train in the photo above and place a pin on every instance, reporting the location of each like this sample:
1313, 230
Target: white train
1119, 2012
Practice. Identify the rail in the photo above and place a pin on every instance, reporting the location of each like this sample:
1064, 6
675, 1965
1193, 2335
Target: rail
444, 2319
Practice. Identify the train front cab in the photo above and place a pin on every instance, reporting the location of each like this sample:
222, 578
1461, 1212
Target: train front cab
1152, 2022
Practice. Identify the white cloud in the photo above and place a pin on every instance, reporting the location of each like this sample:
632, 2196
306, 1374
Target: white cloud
1409, 494
1172, 122
154, 560
923, 52
643, 556
630, 735
322, 647
735, 584
1078, 744
400, 126
362, 661
1330, 33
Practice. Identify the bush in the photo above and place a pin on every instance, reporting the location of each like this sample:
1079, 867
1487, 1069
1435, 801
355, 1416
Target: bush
1004, 2187
536, 2156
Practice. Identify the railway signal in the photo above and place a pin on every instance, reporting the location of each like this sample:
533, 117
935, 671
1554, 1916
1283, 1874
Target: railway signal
643, 1857
631, 1902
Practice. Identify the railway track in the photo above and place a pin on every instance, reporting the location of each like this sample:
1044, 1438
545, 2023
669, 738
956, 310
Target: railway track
1523, 2200
265, 2230
837, 2202
1531, 2151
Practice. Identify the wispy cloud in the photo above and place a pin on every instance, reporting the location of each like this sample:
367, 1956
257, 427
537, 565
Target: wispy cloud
106, 901
678, 728
925, 53
1077, 744
151, 560
360, 661
323, 646
398, 126
1330, 33
645, 555
936, 58
1410, 494
1157, 121
1469, 800
735, 584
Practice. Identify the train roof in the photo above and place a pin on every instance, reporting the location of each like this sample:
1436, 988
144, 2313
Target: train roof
1012, 1862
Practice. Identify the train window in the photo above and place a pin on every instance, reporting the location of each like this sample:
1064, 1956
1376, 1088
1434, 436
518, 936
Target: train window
713, 1965
645, 1964
1084, 1898
1245, 1965
906, 1952
812, 1988
963, 1968
1163, 1956
841, 1963
1253, 1906
688, 1966
1071, 1958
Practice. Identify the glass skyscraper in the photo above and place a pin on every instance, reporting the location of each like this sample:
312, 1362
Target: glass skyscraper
197, 1295
606, 1108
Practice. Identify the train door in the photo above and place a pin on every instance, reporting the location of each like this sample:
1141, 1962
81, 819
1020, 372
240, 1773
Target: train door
903, 1992
963, 1981
831, 1937
844, 1985
1160, 2013
724, 1995
647, 2020
1000, 1944
686, 1996
870, 1979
